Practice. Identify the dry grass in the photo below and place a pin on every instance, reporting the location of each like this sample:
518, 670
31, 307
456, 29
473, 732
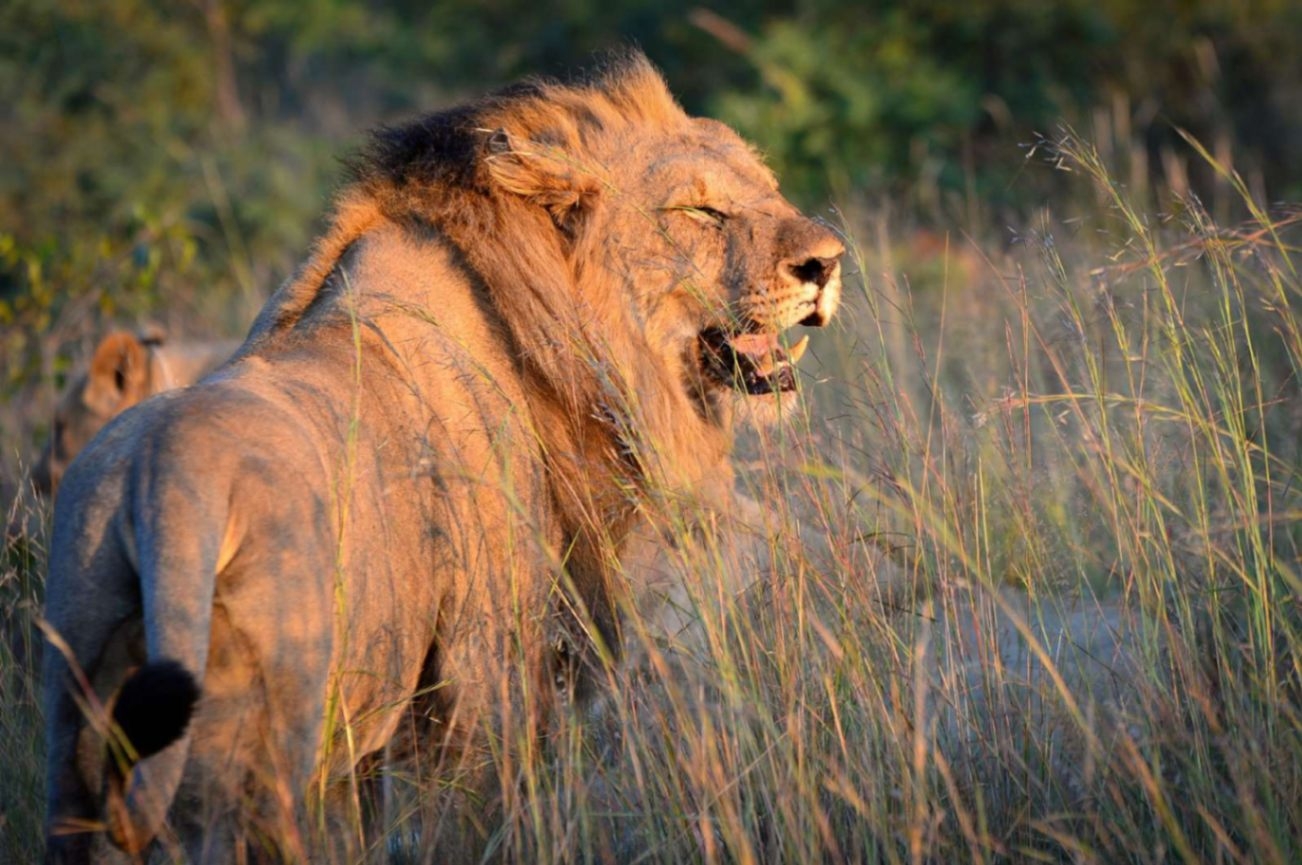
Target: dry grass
1028, 588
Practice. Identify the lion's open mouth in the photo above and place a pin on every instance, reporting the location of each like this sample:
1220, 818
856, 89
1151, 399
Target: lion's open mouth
751, 362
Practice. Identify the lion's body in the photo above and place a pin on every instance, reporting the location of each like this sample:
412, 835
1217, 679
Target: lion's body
417, 474
363, 525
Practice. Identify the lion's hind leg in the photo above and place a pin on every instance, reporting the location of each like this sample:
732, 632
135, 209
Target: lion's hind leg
86, 661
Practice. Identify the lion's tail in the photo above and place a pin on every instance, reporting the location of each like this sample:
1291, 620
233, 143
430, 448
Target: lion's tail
155, 706
150, 712
149, 742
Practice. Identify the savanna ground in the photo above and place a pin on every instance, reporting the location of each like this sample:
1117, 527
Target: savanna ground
1035, 590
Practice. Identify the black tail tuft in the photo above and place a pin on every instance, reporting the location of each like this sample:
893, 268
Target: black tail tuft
154, 706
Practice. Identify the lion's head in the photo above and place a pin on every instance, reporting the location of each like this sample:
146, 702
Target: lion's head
117, 379
631, 250
684, 218
125, 369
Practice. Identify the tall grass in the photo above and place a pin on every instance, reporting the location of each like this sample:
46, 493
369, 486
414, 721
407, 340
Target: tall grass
1025, 584
1034, 592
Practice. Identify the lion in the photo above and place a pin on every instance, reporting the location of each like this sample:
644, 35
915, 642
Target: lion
533, 320
125, 368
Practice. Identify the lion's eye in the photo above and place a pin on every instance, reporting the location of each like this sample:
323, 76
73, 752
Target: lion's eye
700, 213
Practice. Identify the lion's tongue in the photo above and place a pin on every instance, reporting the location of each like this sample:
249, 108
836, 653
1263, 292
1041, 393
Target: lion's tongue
763, 352
751, 361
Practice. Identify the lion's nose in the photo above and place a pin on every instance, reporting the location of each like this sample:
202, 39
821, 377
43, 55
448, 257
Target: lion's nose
822, 270
813, 270
810, 270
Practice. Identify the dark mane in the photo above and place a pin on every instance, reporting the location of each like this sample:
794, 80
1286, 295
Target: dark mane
437, 148
432, 171
443, 148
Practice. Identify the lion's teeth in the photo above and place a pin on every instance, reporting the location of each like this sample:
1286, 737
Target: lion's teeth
798, 350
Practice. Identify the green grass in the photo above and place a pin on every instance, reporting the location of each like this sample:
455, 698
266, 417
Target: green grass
22, 786
1028, 590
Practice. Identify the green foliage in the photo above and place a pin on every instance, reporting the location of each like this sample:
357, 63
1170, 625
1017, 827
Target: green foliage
127, 187
151, 148
859, 108
926, 100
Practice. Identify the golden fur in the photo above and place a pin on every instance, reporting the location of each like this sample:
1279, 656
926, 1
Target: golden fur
532, 319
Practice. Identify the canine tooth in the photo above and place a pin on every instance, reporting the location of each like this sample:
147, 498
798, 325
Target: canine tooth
798, 349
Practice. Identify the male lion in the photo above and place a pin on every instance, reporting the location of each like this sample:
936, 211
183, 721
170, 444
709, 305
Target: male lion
532, 319
125, 369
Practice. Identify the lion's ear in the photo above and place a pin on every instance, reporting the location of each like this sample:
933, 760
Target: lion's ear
119, 372
543, 174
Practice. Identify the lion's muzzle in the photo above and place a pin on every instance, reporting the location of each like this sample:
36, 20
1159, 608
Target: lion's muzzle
750, 356
814, 276
825, 274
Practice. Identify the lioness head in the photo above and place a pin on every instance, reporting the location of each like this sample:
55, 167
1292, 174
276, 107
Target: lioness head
117, 379
125, 369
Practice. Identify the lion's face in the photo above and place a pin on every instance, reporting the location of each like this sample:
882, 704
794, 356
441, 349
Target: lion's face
725, 266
